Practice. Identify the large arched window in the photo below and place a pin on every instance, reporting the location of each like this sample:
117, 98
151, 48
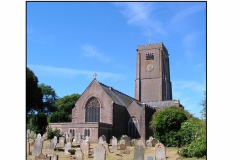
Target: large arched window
92, 110
133, 127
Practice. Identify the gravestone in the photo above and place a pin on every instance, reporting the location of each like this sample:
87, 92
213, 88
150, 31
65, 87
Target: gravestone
78, 137
154, 142
114, 143
104, 138
150, 138
99, 152
87, 138
54, 156
127, 151
70, 136
140, 142
139, 152
61, 141
43, 157
150, 157
105, 144
127, 140
78, 154
67, 147
160, 151
122, 141
149, 143
122, 147
100, 140
85, 148
37, 149
28, 148
53, 144
133, 141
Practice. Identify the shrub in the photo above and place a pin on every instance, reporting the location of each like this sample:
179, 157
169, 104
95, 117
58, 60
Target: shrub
51, 133
166, 123
197, 146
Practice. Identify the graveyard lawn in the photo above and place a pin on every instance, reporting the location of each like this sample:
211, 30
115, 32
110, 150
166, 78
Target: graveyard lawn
171, 153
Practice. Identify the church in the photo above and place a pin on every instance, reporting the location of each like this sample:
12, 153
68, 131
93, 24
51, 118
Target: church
103, 110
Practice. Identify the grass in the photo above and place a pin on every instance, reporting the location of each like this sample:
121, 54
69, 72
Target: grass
171, 153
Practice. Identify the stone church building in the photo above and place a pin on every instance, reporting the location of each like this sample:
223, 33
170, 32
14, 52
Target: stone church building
102, 110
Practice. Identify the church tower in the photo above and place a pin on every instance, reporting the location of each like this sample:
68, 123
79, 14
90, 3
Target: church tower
152, 73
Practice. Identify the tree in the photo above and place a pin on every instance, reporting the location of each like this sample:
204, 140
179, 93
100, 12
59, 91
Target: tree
38, 122
203, 103
33, 93
166, 123
49, 98
64, 108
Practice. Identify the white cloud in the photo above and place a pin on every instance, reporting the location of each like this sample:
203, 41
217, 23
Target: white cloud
51, 71
91, 52
185, 13
140, 14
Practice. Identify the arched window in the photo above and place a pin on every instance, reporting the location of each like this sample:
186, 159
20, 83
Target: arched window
92, 110
133, 127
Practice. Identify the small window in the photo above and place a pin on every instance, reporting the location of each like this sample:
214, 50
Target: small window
87, 132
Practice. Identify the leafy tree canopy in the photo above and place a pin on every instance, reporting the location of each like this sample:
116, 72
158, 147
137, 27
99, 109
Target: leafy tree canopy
49, 98
204, 105
33, 93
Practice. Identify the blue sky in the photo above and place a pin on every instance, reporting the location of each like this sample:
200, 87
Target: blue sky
67, 42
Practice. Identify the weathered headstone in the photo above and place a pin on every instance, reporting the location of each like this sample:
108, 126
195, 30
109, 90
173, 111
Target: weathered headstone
133, 141
28, 148
42, 157
99, 152
150, 157
149, 143
127, 140
78, 154
114, 143
67, 147
53, 144
122, 141
70, 136
105, 144
37, 149
61, 142
100, 140
122, 146
140, 142
54, 156
150, 138
154, 142
139, 152
110, 141
160, 151
78, 137
85, 148
104, 137
87, 138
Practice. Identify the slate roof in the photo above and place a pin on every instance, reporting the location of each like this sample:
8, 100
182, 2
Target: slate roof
118, 97
162, 104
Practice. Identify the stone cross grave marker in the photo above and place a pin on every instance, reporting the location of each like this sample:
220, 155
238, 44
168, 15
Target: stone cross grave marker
99, 152
78, 154
37, 149
139, 152
160, 151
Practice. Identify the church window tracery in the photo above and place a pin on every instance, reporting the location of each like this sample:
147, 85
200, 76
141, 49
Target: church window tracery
92, 110
133, 127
